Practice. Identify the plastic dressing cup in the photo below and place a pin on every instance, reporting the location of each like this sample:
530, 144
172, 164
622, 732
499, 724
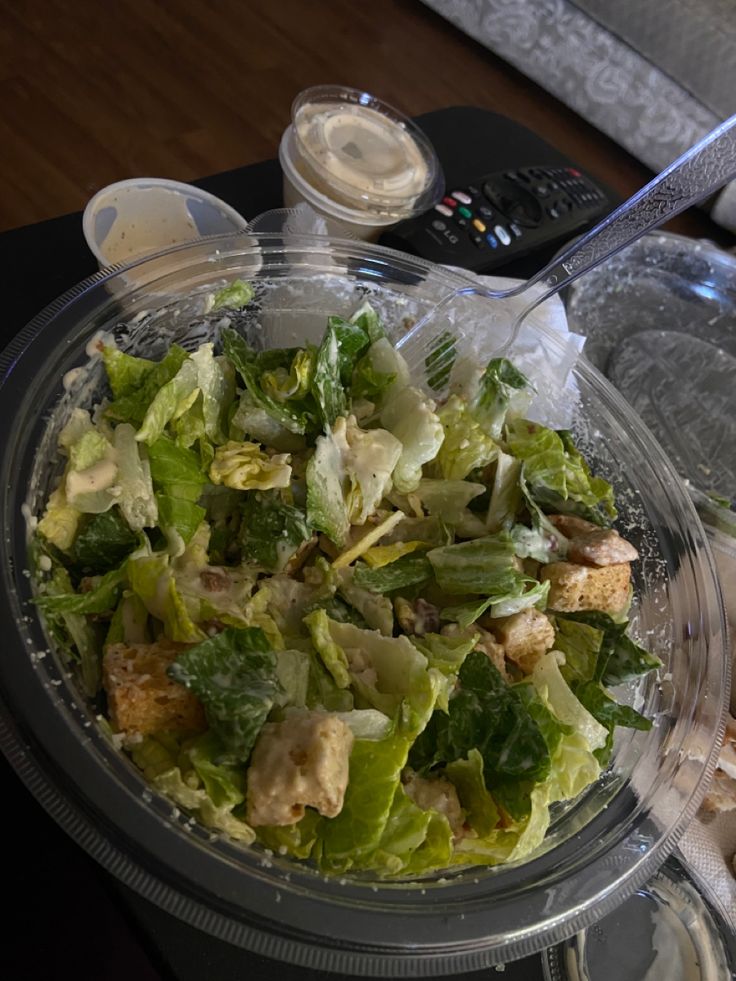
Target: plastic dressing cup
133, 218
357, 160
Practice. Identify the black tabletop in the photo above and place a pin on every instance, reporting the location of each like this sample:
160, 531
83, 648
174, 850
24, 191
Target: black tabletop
60, 907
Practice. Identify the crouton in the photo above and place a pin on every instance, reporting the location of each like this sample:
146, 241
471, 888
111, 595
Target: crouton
580, 587
721, 794
436, 794
591, 545
141, 697
525, 637
300, 762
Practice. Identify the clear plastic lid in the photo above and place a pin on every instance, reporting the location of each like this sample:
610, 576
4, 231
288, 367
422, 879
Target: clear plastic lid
672, 929
363, 153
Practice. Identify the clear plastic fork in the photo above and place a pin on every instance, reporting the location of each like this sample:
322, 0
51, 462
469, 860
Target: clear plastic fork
699, 172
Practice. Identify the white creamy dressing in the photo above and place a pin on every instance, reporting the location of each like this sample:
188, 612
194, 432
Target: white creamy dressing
168, 222
360, 153
100, 476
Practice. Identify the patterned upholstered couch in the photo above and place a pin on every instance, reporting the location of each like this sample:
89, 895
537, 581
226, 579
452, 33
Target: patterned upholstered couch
655, 75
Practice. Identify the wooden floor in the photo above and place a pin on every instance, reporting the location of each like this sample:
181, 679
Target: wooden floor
93, 91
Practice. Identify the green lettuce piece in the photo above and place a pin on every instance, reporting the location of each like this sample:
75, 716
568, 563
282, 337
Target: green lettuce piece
125, 373
292, 672
440, 359
152, 580
552, 687
409, 570
446, 656
178, 481
100, 598
505, 497
376, 611
322, 692
156, 754
367, 723
497, 385
486, 565
542, 541
249, 419
234, 296
581, 644
435, 852
485, 713
196, 800
520, 598
609, 713
89, 449
296, 382
216, 383
333, 656
466, 445
223, 784
73, 631
297, 840
296, 417
410, 417
348, 840
620, 658
60, 521
382, 361
348, 476
342, 344
405, 830
448, 498
245, 466
171, 401
179, 519
368, 383
129, 624
467, 777
389, 673
556, 473
103, 542
271, 532
234, 675
509, 844
369, 321
133, 401
136, 498
574, 767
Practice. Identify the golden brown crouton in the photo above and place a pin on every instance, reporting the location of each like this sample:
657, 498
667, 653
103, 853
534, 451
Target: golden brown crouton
591, 545
580, 587
141, 697
525, 637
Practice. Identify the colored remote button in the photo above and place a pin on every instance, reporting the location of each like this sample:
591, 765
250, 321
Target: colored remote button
478, 225
462, 197
492, 241
502, 235
465, 212
450, 202
443, 210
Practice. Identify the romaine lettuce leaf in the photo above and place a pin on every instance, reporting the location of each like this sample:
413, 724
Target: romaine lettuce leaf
152, 580
609, 713
409, 570
216, 383
581, 644
136, 498
125, 373
553, 688
496, 387
620, 658
178, 481
73, 631
466, 445
224, 784
440, 359
245, 466
296, 840
410, 416
196, 799
141, 387
467, 777
556, 473
447, 498
333, 656
60, 521
376, 611
368, 320
271, 532
171, 401
484, 565
103, 542
249, 419
101, 597
234, 296
382, 361
380, 555
505, 494
234, 675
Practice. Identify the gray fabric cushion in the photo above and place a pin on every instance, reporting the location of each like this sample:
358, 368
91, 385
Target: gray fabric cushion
693, 41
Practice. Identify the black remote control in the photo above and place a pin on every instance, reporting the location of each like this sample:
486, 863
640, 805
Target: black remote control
495, 219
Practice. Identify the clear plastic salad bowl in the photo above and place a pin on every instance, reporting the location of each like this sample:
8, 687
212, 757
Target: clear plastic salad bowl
599, 848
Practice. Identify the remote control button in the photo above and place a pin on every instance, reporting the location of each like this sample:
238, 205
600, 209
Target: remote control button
516, 230
541, 190
485, 212
553, 213
492, 241
450, 202
473, 189
440, 226
443, 210
465, 212
514, 202
478, 240
573, 172
502, 234
462, 197
478, 224
462, 222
